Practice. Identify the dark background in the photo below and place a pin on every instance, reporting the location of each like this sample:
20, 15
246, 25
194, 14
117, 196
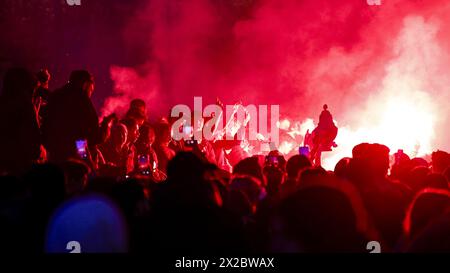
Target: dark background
52, 34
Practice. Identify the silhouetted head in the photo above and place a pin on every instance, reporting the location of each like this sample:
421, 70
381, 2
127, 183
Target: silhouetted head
410, 171
132, 129
325, 117
137, 111
162, 133
146, 135
275, 159
434, 238
360, 150
440, 161
138, 104
428, 205
136, 114
250, 188
237, 202
43, 76
418, 161
401, 167
185, 167
118, 135
249, 166
311, 175
82, 79
186, 185
342, 168
327, 216
415, 179
274, 179
374, 158
295, 164
76, 174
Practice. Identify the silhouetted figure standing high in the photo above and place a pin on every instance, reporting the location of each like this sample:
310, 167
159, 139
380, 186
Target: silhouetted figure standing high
71, 116
322, 137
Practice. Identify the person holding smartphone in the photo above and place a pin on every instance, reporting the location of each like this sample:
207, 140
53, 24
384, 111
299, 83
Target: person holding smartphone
71, 116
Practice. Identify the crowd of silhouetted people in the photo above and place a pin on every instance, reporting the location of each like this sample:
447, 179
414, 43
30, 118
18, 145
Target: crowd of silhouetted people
70, 181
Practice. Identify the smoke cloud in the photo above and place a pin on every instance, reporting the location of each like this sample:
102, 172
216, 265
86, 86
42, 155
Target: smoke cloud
383, 70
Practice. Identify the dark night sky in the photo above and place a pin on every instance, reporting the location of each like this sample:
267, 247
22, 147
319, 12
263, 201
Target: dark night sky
50, 33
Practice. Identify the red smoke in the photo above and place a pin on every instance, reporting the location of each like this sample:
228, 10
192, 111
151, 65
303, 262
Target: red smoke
364, 61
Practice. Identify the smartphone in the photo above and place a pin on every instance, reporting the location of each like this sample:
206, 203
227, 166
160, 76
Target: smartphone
143, 161
303, 150
81, 145
144, 164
